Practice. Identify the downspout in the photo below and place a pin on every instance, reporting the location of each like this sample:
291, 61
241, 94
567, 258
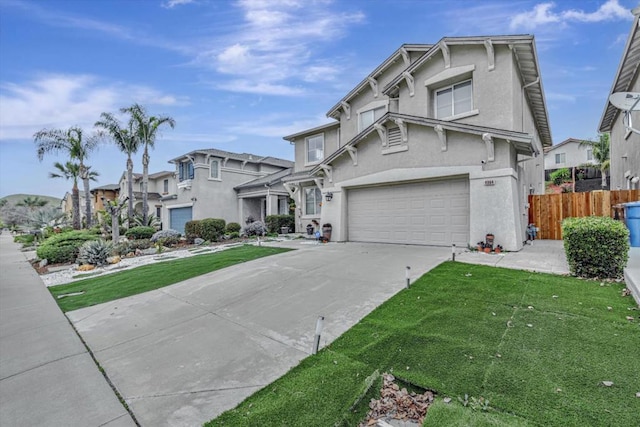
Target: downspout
536, 81
267, 205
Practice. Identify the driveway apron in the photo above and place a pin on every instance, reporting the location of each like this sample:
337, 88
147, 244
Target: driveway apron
183, 354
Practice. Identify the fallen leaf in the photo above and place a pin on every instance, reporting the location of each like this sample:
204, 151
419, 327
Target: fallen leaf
607, 383
554, 296
468, 275
638, 394
448, 399
498, 355
493, 313
630, 318
558, 390
609, 308
530, 325
530, 307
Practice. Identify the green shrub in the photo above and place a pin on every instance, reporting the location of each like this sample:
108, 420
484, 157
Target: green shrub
25, 239
211, 229
234, 234
595, 246
95, 252
275, 222
192, 230
128, 246
233, 227
64, 247
561, 175
140, 232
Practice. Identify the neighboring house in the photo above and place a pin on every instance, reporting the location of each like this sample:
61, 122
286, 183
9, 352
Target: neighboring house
624, 171
567, 154
440, 144
109, 192
160, 185
66, 204
213, 183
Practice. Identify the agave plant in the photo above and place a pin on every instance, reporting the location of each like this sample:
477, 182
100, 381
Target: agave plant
95, 252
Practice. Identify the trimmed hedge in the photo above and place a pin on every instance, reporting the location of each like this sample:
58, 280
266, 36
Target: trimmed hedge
211, 229
192, 230
124, 248
275, 222
596, 246
64, 247
140, 232
233, 227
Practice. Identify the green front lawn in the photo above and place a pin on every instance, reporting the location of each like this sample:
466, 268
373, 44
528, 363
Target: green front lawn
149, 277
537, 346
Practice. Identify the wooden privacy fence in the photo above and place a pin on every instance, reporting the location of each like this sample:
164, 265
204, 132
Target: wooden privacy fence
548, 210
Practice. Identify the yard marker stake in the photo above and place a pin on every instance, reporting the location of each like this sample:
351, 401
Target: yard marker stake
316, 341
453, 251
407, 276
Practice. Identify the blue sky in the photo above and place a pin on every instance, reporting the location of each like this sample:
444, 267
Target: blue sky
240, 75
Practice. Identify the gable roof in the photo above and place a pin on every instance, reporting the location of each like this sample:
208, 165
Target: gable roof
311, 131
626, 74
522, 141
524, 51
268, 160
268, 180
565, 142
398, 54
155, 175
112, 187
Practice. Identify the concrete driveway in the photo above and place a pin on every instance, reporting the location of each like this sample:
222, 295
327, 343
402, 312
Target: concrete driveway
183, 354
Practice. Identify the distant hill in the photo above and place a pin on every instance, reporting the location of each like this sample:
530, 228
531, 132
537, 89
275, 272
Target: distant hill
15, 198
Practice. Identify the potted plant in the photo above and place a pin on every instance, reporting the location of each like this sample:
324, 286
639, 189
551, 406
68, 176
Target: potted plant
480, 246
498, 249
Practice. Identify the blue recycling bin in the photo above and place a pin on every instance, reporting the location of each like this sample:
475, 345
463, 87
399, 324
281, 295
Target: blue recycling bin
632, 218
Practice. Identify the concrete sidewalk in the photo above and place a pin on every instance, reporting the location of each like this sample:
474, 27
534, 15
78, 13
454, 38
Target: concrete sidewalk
47, 377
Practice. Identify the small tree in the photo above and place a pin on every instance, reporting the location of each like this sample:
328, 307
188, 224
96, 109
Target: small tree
601, 155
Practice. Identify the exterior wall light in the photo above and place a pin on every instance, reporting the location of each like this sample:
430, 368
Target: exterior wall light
328, 196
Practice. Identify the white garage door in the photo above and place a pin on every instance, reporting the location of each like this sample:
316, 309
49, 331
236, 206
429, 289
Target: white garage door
424, 213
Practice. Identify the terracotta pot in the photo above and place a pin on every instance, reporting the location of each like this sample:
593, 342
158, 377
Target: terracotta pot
487, 250
497, 250
479, 248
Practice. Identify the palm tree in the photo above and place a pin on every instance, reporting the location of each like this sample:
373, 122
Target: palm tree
72, 171
600, 151
71, 142
126, 141
32, 203
146, 130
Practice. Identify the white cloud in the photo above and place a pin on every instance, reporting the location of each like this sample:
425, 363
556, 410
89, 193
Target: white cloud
544, 14
276, 125
60, 101
170, 4
277, 43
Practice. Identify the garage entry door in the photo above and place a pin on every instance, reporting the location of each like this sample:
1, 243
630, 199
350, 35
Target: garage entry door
424, 213
178, 217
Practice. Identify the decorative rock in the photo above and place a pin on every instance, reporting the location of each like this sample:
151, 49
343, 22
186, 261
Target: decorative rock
198, 241
607, 383
114, 259
43, 263
86, 267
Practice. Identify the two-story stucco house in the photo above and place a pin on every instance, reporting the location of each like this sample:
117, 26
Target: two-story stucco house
567, 154
212, 183
439, 144
624, 149
160, 185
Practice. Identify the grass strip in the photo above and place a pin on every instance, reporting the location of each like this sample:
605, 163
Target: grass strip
537, 346
149, 277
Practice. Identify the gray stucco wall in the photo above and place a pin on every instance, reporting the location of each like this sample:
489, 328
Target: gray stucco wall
625, 152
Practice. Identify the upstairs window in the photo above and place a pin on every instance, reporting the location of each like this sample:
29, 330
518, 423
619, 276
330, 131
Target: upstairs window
560, 158
312, 198
453, 100
589, 154
214, 169
367, 118
315, 148
165, 186
185, 170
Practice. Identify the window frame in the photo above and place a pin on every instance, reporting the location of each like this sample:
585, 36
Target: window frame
189, 173
561, 158
218, 172
452, 88
589, 154
317, 202
307, 141
165, 186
